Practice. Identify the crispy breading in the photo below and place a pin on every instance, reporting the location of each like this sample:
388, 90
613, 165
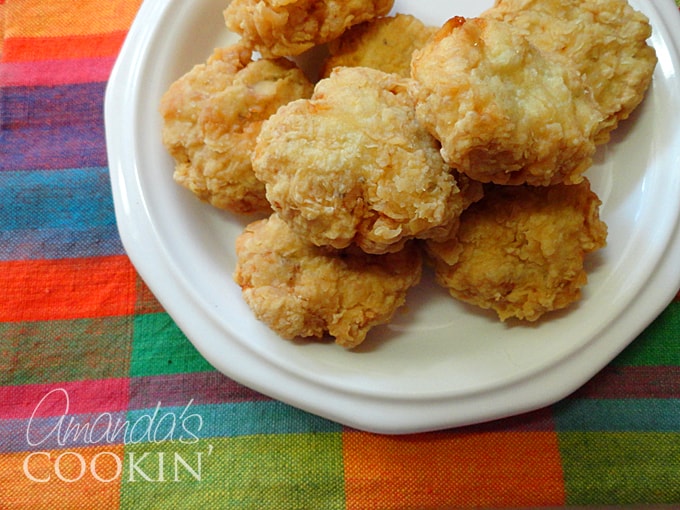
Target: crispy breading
278, 28
605, 40
385, 44
212, 116
301, 290
352, 165
520, 250
503, 111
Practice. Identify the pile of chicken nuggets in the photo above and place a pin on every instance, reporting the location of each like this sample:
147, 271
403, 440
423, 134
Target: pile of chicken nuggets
461, 146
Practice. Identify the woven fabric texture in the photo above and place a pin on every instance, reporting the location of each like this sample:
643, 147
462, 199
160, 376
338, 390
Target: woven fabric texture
105, 404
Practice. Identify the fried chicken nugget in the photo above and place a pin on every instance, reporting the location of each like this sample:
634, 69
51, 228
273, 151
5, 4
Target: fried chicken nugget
352, 165
605, 40
301, 290
385, 44
520, 250
278, 28
211, 117
503, 111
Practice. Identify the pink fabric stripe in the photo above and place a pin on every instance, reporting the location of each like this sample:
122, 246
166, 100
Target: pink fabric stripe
55, 72
68, 398
178, 389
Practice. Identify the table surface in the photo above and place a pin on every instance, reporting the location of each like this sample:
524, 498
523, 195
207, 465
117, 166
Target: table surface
104, 403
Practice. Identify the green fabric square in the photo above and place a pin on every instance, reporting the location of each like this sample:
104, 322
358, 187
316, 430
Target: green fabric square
287, 471
621, 468
658, 344
68, 350
160, 348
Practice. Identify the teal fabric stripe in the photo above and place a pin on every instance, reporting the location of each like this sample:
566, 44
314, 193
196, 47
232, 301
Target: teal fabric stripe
47, 214
632, 415
189, 422
72, 199
182, 424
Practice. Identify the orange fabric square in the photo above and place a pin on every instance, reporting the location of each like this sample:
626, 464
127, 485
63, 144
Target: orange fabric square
57, 18
434, 471
62, 479
36, 290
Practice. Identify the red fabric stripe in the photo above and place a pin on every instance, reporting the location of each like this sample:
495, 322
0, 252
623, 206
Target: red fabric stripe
616, 382
80, 397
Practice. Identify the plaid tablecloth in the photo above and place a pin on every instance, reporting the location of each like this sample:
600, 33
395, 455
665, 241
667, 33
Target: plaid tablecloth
104, 403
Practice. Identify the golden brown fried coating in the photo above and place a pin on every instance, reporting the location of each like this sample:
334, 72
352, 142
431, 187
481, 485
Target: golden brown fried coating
503, 111
385, 44
301, 290
520, 250
211, 117
352, 165
605, 40
278, 28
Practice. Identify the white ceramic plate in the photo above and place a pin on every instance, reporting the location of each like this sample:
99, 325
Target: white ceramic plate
440, 363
